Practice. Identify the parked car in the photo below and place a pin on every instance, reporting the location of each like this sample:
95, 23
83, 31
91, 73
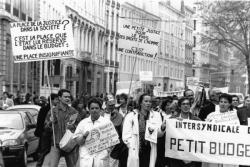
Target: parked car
33, 109
1, 155
17, 136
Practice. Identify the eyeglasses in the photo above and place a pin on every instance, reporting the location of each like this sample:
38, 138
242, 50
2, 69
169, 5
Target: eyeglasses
185, 104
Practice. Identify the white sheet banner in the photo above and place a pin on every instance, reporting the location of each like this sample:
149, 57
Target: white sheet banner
42, 40
138, 40
208, 142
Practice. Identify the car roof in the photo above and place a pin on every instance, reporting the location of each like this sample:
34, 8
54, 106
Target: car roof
25, 106
12, 112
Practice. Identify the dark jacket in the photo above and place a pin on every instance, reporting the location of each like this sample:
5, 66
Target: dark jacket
242, 115
179, 163
41, 120
63, 114
207, 108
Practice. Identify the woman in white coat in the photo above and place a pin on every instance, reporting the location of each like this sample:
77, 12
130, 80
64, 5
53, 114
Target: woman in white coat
142, 153
84, 127
225, 108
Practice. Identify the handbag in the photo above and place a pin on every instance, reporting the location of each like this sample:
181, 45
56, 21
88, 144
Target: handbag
67, 143
119, 150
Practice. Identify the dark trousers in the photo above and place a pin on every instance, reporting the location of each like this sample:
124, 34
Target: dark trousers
71, 157
123, 159
44, 148
144, 155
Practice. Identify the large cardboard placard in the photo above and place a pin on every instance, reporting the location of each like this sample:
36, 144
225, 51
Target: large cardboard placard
208, 142
42, 40
138, 40
101, 138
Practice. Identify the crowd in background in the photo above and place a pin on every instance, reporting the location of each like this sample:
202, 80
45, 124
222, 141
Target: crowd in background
129, 116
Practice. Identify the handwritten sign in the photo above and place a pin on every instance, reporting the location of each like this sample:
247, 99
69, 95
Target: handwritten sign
101, 138
151, 132
138, 40
146, 76
229, 117
42, 40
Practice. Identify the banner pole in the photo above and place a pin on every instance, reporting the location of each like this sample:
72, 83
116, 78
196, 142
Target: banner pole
130, 85
50, 101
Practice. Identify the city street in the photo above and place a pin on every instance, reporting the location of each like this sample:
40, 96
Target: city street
32, 163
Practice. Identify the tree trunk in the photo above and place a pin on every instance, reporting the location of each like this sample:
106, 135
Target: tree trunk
248, 72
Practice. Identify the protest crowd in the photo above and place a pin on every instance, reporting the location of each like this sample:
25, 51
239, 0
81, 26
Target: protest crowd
131, 118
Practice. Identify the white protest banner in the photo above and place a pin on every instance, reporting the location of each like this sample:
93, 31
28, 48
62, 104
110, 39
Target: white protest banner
151, 132
42, 40
207, 142
229, 117
101, 138
138, 40
146, 76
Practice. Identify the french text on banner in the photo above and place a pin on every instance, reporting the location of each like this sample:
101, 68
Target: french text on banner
208, 142
101, 138
42, 40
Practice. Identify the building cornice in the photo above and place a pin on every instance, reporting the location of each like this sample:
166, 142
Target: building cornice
137, 9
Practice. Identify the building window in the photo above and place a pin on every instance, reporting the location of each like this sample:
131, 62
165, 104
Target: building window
194, 41
107, 19
237, 89
193, 72
194, 24
57, 67
7, 5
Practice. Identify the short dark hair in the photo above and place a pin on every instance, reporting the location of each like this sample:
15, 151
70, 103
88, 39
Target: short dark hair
175, 97
226, 96
53, 96
61, 91
183, 99
94, 100
165, 102
236, 97
124, 96
141, 99
184, 93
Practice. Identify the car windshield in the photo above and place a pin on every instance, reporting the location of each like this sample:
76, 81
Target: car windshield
32, 111
11, 121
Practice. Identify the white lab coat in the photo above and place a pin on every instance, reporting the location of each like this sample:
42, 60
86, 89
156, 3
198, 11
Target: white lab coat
86, 159
214, 117
130, 136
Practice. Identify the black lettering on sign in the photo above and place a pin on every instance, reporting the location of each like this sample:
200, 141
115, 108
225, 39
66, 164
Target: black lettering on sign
179, 144
230, 145
172, 142
212, 148
240, 152
222, 148
247, 150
